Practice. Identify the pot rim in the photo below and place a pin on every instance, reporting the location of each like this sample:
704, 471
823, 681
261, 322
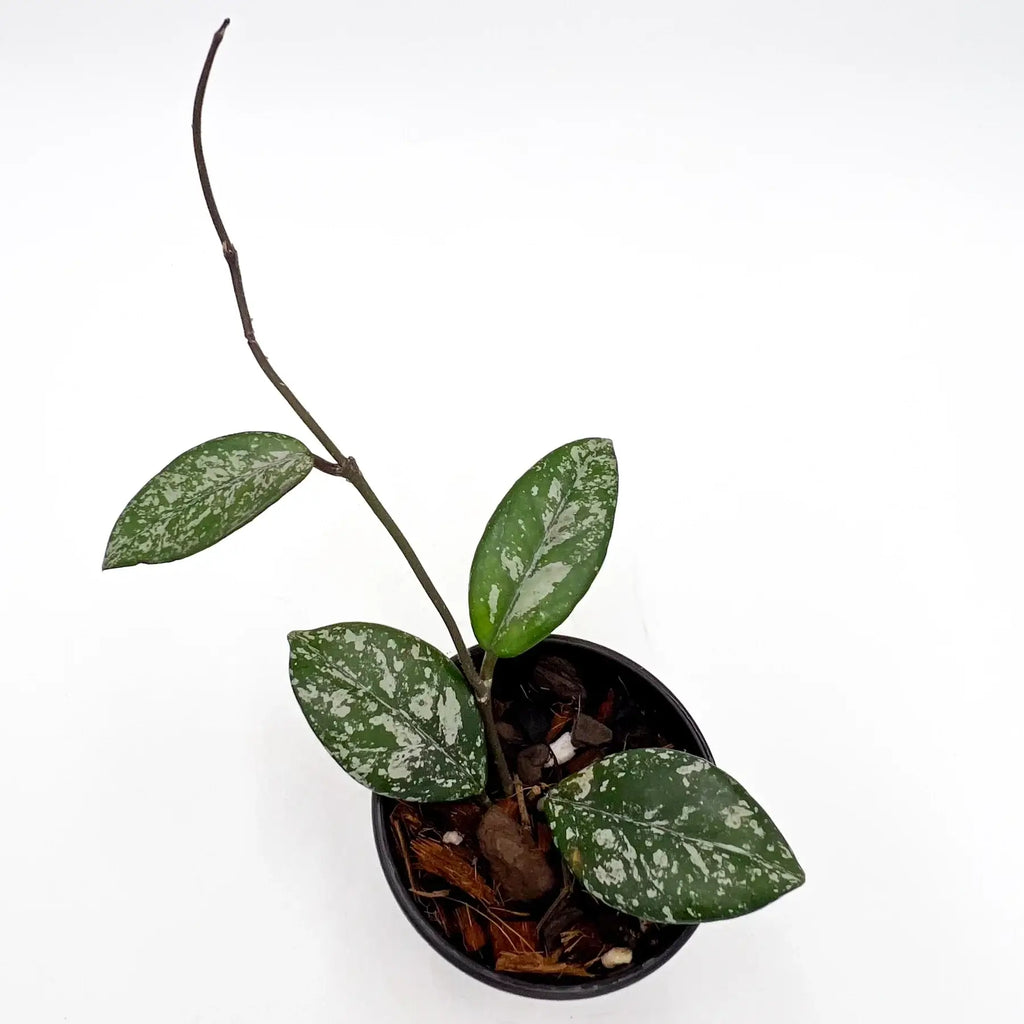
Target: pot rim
518, 984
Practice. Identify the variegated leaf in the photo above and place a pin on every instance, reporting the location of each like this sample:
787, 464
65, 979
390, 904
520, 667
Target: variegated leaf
391, 709
543, 546
205, 494
668, 837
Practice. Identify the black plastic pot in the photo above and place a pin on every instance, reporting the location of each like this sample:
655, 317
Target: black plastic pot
674, 722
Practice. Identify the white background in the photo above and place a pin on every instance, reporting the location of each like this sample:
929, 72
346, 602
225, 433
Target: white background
774, 250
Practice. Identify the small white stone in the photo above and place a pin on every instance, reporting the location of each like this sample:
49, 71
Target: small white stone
617, 956
562, 748
453, 838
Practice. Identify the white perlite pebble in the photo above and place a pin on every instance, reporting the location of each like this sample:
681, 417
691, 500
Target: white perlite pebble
617, 956
452, 838
562, 748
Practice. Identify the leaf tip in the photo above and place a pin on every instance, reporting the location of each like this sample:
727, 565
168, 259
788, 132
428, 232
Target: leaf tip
112, 562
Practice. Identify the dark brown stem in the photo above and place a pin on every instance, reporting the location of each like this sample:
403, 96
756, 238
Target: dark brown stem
231, 255
342, 465
330, 468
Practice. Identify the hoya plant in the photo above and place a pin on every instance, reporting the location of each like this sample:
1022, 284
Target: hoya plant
657, 833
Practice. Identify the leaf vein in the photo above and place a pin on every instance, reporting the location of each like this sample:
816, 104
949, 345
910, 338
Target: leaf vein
406, 716
709, 844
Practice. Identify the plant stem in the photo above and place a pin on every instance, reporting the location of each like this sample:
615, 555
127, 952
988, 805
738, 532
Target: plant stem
483, 701
354, 475
343, 466
487, 668
231, 255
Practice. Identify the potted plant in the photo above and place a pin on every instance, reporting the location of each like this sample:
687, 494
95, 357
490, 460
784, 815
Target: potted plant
546, 812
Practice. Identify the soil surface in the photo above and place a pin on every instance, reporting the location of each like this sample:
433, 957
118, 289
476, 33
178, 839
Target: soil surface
489, 879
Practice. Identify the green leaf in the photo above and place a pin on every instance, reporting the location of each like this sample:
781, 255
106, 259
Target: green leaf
543, 546
669, 837
393, 711
205, 494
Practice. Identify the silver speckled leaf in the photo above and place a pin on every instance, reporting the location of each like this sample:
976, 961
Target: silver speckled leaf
391, 709
543, 546
668, 837
205, 494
